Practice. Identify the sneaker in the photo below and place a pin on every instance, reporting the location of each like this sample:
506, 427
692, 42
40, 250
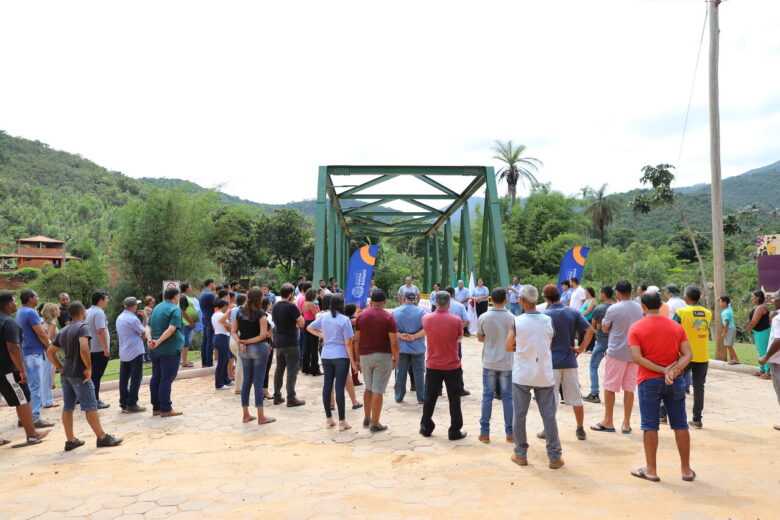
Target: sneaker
664, 420
484, 439
40, 423
556, 464
72, 445
696, 424
541, 435
580, 434
519, 460
294, 401
108, 442
592, 398
102, 405
134, 409
223, 387
172, 413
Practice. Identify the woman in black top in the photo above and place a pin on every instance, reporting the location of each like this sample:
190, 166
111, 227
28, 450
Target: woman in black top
250, 331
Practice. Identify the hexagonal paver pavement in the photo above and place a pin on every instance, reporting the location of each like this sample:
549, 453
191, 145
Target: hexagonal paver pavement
208, 464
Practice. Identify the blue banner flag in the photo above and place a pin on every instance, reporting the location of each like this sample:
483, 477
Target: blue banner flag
572, 264
359, 274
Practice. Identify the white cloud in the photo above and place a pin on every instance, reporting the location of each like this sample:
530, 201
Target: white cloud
258, 95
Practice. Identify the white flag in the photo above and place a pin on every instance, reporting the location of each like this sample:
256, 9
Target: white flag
471, 306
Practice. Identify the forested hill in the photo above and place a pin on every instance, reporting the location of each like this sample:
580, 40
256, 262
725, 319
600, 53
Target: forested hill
49, 192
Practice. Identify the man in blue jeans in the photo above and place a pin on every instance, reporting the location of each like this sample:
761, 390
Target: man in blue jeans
165, 345
660, 347
34, 345
602, 339
492, 330
207, 299
411, 338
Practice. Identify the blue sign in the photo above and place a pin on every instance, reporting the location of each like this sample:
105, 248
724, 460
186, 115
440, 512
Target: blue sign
572, 264
359, 274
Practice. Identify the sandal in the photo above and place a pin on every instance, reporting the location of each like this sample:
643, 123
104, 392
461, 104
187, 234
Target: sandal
268, 420
601, 428
640, 473
3, 442
248, 419
31, 441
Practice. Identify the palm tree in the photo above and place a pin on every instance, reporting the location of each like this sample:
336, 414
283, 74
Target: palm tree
601, 209
517, 168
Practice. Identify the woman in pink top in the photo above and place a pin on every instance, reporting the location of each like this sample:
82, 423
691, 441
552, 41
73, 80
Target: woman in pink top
310, 363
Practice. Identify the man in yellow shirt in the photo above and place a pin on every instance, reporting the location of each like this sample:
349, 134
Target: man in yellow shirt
696, 320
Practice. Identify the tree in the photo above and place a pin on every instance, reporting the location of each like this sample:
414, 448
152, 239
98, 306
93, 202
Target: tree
79, 278
601, 209
284, 234
660, 177
232, 240
517, 168
164, 238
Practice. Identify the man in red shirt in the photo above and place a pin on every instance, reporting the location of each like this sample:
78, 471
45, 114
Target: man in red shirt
376, 345
661, 349
443, 332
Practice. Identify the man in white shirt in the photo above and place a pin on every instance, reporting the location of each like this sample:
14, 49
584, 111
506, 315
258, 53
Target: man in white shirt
405, 288
578, 295
673, 300
530, 339
773, 352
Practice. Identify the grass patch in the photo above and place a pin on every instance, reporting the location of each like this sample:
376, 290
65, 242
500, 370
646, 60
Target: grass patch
747, 353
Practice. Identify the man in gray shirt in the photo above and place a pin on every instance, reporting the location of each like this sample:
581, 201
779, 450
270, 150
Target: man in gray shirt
620, 372
100, 340
492, 330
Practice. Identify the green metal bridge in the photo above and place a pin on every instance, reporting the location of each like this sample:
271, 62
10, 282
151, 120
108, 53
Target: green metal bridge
337, 225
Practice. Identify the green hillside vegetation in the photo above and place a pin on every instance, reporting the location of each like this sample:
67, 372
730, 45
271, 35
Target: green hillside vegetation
108, 219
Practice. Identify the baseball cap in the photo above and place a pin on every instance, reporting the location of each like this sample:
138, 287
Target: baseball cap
410, 295
130, 301
653, 289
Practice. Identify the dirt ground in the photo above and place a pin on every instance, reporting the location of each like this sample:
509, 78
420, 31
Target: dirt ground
208, 464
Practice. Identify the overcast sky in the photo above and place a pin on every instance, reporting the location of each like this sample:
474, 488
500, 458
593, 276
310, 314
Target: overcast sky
256, 95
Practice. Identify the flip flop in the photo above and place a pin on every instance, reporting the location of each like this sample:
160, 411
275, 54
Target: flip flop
601, 428
691, 478
268, 420
640, 473
626, 432
249, 419
30, 442
3, 442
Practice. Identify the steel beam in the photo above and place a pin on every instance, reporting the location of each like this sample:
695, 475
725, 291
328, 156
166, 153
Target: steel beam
497, 233
320, 238
406, 170
365, 185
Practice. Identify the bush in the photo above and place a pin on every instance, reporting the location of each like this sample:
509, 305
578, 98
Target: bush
26, 274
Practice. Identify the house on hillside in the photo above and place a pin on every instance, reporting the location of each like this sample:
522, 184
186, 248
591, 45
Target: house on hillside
37, 252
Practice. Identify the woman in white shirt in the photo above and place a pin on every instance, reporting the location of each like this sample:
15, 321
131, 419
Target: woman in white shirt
220, 322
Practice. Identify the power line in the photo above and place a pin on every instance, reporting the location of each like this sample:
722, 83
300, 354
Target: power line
693, 85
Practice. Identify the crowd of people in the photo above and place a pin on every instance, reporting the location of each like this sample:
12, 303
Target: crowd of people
653, 349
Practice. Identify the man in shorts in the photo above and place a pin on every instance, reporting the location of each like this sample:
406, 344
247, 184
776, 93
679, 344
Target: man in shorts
773, 351
619, 369
376, 344
76, 378
567, 323
660, 347
13, 374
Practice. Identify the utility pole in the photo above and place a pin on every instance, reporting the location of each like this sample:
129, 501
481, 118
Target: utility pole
718, 260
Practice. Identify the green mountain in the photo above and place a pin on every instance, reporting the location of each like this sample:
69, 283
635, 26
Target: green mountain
54, 193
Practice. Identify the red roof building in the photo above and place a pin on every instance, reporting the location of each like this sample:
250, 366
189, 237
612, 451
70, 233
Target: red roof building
37, 252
